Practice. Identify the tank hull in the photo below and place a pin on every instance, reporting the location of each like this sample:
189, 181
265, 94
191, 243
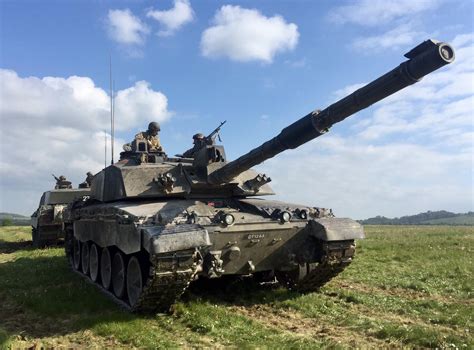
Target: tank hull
47, 220
181, 240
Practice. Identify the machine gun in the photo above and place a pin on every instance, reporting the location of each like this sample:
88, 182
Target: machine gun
61, 182
210, 139
200, 143
422, 60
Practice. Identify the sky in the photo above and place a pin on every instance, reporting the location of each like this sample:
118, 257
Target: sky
260, 65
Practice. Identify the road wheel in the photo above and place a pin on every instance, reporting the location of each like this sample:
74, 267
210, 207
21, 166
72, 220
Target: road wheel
94, 262
105, 268
134, 280
76, 252
118, 275
85, 258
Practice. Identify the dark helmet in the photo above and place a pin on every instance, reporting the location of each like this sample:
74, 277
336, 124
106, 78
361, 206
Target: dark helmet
62, 177
198, 136
154, 126
89, 173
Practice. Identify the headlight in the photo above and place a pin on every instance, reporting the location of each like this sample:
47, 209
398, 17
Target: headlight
285, 216
229, 219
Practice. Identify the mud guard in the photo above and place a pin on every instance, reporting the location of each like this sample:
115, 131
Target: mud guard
160, 239
336, 229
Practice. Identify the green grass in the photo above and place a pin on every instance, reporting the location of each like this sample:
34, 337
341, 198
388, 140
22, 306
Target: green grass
409, 286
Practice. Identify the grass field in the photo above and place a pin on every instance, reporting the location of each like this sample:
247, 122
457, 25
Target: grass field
409, 286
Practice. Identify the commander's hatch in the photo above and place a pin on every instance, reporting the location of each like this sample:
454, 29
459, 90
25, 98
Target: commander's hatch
138, 152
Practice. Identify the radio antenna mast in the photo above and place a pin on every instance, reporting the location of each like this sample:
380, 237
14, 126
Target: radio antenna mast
105, 148
111, 111
113, 118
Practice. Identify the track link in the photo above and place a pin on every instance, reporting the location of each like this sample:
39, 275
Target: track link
168, 278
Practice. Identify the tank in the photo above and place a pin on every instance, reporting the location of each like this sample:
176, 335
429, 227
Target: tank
154, 224
47, 220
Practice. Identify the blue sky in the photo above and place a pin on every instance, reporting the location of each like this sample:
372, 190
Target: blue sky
260, 65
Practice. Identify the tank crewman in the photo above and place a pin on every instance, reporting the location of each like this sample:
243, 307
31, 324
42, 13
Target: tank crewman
62, 183
88, 181
199, 141
151, 135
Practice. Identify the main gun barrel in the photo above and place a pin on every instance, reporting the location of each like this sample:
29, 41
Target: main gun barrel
422, 60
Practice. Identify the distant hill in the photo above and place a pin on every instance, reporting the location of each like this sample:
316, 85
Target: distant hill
441, 217
17, 219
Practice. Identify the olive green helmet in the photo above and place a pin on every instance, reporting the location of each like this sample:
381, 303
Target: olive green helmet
154, 126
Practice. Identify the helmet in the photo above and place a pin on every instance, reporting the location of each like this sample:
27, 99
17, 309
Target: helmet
154, 126
62, 177
198, 136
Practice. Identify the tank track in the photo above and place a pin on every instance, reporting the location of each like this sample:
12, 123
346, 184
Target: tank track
167, 279
169, 276
310, 277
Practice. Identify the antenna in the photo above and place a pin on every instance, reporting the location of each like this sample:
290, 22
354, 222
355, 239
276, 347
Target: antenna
113, 118
111, 112
105, 150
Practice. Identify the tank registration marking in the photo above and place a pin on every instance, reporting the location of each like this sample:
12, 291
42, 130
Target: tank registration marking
255, 236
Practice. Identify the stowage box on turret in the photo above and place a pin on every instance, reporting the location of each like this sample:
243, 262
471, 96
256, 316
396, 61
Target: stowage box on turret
153, 224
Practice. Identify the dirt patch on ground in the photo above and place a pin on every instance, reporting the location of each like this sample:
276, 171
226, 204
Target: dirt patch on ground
296, 324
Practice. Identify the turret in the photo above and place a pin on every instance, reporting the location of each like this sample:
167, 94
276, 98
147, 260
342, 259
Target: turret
422, 60
142, 173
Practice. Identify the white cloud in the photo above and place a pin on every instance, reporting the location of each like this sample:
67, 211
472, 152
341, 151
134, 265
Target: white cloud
125, 28
360, 180
55, 125
376, 12
413, 153
173, 19
139, 103
394, 39
247, 35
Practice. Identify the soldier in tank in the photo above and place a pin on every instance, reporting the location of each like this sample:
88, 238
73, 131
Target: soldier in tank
62, 183
151, 135
199, 141
88, 181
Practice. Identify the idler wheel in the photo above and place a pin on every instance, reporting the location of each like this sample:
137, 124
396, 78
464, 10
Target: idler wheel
105, 268
85, 258
38, 241
94, 262
134, 280
118, 275
76, 253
